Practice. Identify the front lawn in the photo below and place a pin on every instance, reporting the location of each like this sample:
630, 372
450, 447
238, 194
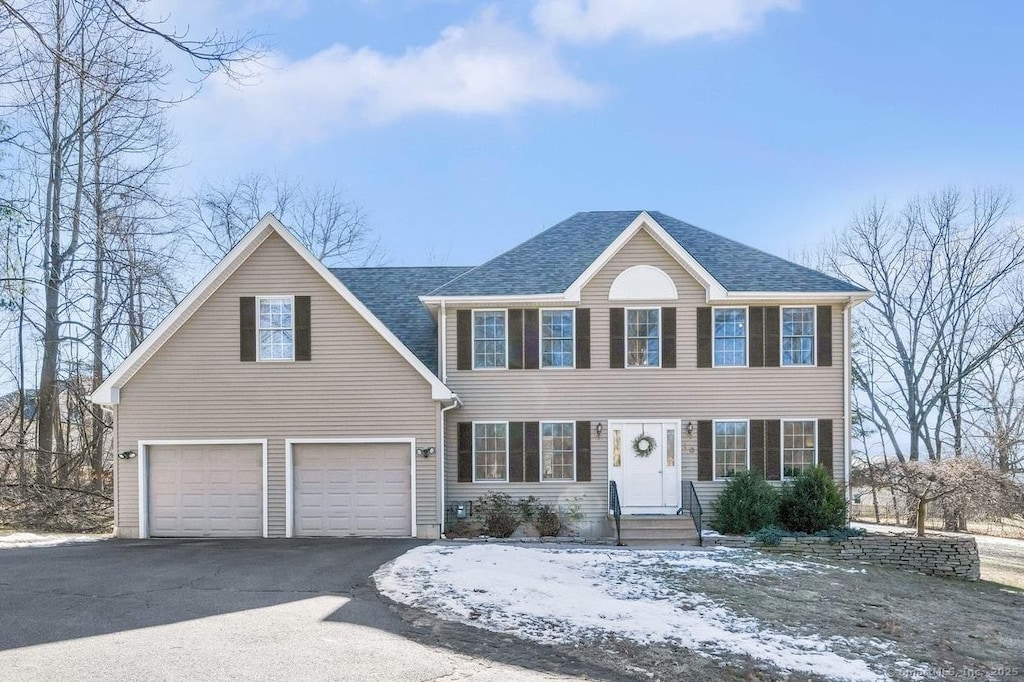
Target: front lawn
723, 613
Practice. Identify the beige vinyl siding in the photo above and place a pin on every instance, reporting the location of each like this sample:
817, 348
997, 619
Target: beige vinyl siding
686, 392
195, 386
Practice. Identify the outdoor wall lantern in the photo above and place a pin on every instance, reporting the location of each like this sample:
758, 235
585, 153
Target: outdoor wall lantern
600, 428
127, 454
689, 428
425, 452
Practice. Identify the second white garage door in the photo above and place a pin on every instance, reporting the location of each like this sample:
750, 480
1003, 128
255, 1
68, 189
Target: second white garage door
352, 489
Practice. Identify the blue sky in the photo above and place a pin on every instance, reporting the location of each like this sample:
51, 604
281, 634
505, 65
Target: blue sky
463, 127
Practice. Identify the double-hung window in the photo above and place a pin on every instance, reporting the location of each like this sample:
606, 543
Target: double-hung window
643, 337
490, 451
489, 345
730, 329
797, 336
276, 328
556, 338
799, 440
731, 448
558, 451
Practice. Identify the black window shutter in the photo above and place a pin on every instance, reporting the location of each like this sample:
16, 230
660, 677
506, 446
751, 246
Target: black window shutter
464, 339
465, 452
757, 445
705, 450
583, 338
515, 452
668, 337
771, 336
773, 450
617, 337
824, 330
582, 451
515, 339
755, 335
531, 450
531, 338
825, 445
247, 328
303, 329
704, 339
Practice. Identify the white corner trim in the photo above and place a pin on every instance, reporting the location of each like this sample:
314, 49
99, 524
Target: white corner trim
107, 394
143, 469
643, 283
644, 220
289, 473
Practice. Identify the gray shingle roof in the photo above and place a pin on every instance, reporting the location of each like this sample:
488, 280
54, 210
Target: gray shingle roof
551, 261
392, 294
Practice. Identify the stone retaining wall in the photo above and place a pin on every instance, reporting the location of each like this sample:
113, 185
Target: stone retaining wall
946, 556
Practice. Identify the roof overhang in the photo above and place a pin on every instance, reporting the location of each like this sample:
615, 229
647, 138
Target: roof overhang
715, 293
108, 393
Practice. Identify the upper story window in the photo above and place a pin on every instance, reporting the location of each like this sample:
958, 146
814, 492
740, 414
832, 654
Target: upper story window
558, 451
799, 441
490, 451
489, 346
731, 445
643, 337
730, 330
275, 328
798, 336
556, 338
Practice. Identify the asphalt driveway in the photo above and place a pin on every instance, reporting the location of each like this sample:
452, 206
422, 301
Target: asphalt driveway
235, 609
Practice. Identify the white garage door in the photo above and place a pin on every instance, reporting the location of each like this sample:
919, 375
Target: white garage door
352, 489
205, 490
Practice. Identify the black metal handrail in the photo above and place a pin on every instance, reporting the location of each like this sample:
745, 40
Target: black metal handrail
692, 504
615, 509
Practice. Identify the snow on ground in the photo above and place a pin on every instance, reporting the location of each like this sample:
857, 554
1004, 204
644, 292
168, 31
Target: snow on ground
554, 596
20, 540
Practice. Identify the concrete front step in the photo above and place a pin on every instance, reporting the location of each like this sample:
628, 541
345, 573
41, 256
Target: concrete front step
674, 522
666, 530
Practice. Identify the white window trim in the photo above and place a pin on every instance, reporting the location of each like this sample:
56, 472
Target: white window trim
491, 480
258, 344
540, 337
782, 443
540, 450
625, 338
746, 337
714, 446
814, 337
473, 312
289, 472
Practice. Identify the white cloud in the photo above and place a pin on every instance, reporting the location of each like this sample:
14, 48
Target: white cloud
654, 21
483, 67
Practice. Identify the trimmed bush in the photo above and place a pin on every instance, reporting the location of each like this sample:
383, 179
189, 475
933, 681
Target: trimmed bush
547, 521
501, 514
812, 503
748, 503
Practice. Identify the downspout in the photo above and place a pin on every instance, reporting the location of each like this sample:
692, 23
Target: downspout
847, 390
457, 402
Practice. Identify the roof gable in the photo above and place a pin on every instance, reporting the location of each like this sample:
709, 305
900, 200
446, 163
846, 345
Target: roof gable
556, 260
108, 392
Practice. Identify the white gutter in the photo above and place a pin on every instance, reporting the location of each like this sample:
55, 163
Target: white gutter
847, 389
457, 402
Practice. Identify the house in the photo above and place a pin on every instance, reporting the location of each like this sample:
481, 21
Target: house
283, 398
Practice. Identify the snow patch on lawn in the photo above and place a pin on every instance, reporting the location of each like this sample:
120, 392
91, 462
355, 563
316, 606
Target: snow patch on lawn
556, 596
21, 540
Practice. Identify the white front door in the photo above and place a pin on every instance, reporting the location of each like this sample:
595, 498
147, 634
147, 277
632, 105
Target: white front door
644, 462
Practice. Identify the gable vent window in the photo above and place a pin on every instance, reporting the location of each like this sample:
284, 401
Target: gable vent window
489, 346
643, 337
276, 328
556, 338
730, 337
798, 336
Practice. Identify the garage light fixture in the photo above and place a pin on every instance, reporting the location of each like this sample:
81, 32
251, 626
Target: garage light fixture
127, 454
424, 452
